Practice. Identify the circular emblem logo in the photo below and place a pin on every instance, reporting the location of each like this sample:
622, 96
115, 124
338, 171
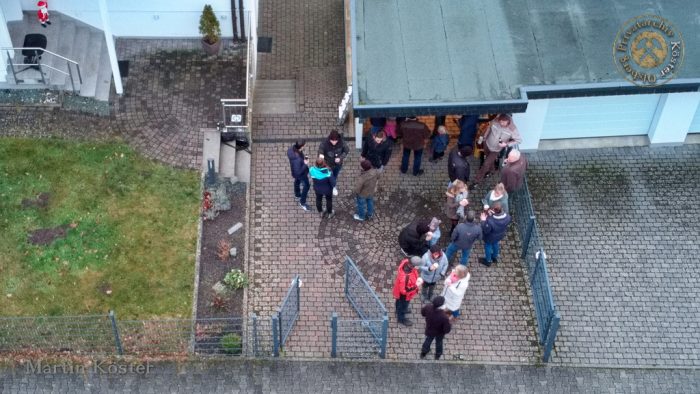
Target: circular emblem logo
648, 50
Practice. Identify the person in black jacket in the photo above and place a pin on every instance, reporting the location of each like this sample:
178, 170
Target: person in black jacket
413, 239
457, 164
494, 227
299, 164
377, 149
437, 325
333, 151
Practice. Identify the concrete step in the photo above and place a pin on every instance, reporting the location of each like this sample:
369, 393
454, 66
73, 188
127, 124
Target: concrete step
275, 83
65, 49
274, 108
80, 42
92, 63
104, 76
275, 100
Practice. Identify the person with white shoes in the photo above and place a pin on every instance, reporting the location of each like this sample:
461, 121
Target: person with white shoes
333, 151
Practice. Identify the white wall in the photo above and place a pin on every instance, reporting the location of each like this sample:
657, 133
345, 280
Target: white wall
144, 18
12, 10
695, 123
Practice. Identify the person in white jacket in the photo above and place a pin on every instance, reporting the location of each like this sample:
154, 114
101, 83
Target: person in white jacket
456, 285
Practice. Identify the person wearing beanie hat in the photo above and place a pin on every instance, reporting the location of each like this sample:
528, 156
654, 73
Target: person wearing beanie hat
415, 237
437, 325
299, 164
43, 13
406, 287
364, 190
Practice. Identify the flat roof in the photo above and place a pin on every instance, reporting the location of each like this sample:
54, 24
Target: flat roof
415, 52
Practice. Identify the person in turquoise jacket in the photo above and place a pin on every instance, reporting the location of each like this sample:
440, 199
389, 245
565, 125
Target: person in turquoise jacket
324, 182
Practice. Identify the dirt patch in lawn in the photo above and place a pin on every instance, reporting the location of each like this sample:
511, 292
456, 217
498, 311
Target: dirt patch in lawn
41, 201
45, 236
212, 268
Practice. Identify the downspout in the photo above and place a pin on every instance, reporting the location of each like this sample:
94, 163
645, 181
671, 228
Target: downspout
109, 39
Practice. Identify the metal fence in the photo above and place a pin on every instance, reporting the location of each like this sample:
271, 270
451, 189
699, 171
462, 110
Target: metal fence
372, 313
533, 254
105, 335
286, 316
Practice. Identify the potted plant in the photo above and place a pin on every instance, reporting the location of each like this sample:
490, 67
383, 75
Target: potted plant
209, 27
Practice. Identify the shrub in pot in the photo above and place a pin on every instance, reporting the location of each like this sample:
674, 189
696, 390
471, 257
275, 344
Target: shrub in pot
211, 31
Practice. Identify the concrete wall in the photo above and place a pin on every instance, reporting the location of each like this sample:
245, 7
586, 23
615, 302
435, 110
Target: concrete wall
144, 18
695, 123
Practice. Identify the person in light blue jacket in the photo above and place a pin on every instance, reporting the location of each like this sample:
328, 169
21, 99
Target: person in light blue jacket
432, 270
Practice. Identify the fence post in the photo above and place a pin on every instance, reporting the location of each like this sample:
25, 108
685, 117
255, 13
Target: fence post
385, 332
551, 335
275, 335
255, 335
334, 334
115, 332
298, 281
347, 276
528, 235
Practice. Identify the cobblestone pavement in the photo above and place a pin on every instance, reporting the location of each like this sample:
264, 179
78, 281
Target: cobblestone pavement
621, 231
497, 323
172, 91
307, 46
354, 377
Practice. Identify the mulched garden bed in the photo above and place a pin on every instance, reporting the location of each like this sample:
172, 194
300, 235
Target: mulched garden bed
212, 268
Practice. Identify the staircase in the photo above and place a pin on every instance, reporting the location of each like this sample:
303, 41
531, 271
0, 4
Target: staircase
70, 39
275, 97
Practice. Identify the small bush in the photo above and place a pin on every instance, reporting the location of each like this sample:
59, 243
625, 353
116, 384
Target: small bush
236, 279
231, 344
218, 303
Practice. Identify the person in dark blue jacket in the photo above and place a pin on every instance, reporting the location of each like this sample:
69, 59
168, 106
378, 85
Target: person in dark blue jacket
467, 130
494, 229
324, 182
299, 164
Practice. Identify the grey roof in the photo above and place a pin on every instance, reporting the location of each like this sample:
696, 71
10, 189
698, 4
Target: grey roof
454, 51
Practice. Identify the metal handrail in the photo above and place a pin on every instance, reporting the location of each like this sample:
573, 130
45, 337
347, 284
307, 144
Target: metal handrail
39, 49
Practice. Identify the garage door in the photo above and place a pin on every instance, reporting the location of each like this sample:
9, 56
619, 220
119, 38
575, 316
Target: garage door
695, 124
604, 116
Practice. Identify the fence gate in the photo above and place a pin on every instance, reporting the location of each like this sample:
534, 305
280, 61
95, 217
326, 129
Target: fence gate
533, 254
286, 316
364, 336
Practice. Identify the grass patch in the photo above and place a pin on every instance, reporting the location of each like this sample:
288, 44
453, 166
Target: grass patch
131, 231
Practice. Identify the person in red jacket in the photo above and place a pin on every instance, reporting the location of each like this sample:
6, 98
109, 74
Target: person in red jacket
406, 286
43, 13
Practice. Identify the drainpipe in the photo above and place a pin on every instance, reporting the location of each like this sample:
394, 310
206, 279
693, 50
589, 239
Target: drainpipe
109, 39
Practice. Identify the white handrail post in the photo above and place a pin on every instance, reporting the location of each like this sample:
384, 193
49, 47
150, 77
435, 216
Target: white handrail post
109, 38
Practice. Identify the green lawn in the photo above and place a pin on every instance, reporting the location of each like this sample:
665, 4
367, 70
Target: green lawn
132, 230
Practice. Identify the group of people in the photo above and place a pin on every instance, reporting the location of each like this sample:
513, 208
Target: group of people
426, 263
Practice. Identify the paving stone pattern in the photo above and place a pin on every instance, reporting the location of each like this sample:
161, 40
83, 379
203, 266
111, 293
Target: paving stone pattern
173, 90
497, 323
354, 377
307, 46
621, 231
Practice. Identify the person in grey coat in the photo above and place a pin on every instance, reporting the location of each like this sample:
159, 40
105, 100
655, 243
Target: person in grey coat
463, 238
433, 269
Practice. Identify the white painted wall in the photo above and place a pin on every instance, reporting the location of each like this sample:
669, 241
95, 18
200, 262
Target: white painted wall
5, 41
695, 123
673, 118
12, 10
144, 18
604, 116
530, 123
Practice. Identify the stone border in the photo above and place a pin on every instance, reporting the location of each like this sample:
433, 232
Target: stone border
198, 252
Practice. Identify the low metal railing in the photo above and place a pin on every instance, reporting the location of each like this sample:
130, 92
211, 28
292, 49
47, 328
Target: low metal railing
546, 312
32, 60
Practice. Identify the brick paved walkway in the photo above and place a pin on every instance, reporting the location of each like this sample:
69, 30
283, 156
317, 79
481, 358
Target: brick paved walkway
621, 231
308, 46
356, 377
172, 91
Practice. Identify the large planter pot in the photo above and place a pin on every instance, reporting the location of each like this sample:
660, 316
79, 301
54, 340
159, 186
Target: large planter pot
211, 49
